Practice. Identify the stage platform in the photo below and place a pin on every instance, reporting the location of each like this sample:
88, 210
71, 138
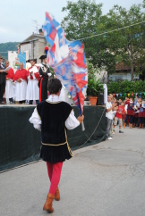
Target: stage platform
20, 142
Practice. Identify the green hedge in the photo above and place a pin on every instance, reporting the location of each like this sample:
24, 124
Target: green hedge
127, 88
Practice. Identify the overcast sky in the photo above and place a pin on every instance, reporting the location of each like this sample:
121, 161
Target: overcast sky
19, 18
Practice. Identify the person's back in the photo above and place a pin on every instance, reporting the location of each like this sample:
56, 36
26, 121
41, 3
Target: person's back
53, 117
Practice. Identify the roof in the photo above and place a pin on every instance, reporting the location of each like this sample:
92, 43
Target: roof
32, 37
122, 67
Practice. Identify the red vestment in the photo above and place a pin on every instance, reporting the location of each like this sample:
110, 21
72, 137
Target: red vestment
10, 74
36, 74
21, 74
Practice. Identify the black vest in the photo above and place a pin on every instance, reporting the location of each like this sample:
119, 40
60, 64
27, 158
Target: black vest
53, 117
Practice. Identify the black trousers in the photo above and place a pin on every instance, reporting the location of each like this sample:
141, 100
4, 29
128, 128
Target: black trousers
20, 102
2, 91
130, 121
141, 120
31, 101
44, 89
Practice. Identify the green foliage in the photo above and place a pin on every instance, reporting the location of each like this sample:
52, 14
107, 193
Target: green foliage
84, 19
128, 44
126, 87
51, 71
91, 70
113, 87
94, 87
5, 47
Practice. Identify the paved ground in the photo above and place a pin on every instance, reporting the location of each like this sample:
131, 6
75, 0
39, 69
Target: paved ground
107, 179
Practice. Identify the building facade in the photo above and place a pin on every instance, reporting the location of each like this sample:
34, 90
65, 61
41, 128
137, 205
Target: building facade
34, 46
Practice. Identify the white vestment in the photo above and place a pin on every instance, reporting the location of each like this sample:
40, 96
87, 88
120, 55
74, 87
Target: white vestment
32, 88
20, 90
9, 93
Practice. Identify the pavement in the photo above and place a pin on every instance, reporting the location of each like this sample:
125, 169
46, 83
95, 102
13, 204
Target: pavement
107, 179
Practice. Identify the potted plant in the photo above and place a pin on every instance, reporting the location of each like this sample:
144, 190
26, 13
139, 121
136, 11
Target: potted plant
95, 87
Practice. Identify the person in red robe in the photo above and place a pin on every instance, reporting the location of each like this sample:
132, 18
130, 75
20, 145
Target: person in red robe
20, 79
9, 93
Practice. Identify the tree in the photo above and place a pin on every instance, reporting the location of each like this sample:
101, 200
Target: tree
5, 47
85, 19
128, 44
86, 22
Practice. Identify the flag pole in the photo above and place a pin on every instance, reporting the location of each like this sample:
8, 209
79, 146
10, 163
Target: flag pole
83, 127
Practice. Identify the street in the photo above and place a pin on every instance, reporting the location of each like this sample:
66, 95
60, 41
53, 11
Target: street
107, 179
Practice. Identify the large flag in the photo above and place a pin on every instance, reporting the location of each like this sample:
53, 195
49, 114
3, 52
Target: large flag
68, 60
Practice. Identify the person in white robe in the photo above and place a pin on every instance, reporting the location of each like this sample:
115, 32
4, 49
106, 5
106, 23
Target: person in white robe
9, 93
20, 79
32, 87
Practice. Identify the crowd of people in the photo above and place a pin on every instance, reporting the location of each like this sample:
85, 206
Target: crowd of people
129, 112
24, 85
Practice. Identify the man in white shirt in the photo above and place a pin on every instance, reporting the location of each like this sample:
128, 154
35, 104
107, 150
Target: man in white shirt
109, 116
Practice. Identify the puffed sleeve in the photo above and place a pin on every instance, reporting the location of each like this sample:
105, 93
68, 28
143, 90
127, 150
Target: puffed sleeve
71, 122
35, 120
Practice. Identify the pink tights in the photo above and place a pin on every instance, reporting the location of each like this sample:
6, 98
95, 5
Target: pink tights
54, 173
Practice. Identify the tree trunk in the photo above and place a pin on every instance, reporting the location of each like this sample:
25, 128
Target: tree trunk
131, 60
107, 77
132, 71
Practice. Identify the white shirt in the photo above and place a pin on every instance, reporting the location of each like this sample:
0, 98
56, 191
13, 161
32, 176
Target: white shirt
126, 106
109, 114
70, 123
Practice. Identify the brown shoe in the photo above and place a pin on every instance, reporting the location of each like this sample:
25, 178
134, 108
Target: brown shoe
124, 124
142, 125
57, 195
48, 204
139, 125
